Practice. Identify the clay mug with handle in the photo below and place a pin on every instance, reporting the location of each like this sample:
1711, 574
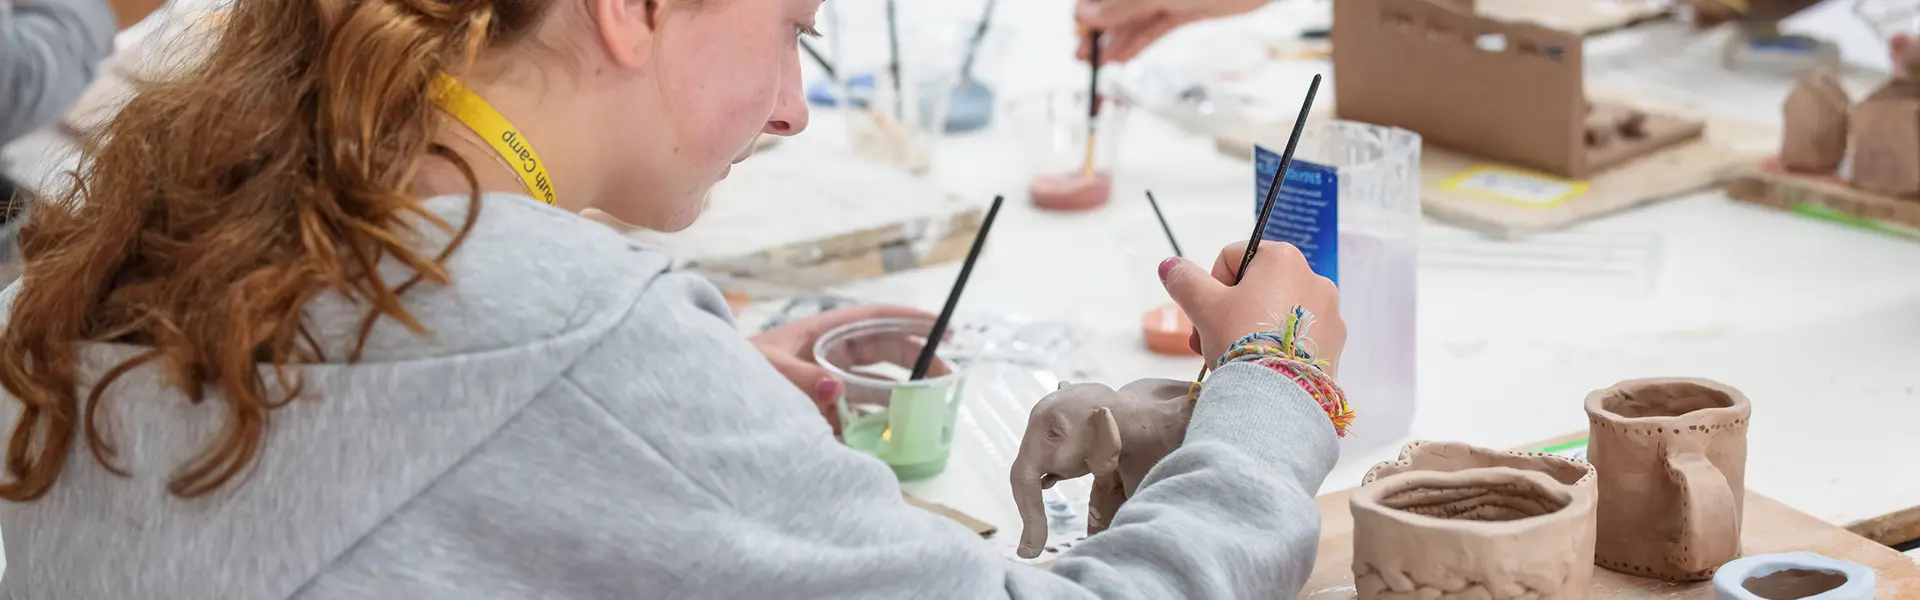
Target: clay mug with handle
1091, 429
1671, 456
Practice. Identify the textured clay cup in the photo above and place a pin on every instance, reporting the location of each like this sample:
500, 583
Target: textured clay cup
1672, 460
1495, 533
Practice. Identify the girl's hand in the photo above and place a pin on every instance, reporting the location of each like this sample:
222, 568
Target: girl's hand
790, 348
1129, 26
1279, 279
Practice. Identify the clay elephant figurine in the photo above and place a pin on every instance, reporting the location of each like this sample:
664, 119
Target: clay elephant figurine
1091, 429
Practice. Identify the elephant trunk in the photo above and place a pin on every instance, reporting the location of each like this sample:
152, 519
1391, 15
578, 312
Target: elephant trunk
1033, 513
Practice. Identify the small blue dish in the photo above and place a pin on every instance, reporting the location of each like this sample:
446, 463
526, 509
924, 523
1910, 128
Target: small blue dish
860, 87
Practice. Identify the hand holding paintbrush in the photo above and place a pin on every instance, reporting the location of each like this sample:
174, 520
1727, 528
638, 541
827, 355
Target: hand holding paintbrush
1218, 321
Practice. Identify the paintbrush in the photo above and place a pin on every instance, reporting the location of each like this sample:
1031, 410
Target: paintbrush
1163, 224
1273, 191
1093, 96
825, 66
939, 330
973, 45
893, 58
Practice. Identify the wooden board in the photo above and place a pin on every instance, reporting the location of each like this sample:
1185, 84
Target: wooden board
1767, 527
1898, 527
810, 215
1823, 197
1729, 147
1582, 17
985, 529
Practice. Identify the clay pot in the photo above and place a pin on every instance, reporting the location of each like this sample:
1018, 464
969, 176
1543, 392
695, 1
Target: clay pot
1495, 533
1814, 138
1672, 456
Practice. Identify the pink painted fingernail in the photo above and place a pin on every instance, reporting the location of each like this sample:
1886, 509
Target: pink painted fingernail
1166, 266
827, 390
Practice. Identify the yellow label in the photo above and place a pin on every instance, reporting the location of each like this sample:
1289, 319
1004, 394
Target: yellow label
1514, 186
478, 115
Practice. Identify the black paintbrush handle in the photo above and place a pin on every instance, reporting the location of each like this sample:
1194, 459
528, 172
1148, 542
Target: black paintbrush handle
820, 60
893, 64
973, 45
1279, 177
925, 361
1163, 224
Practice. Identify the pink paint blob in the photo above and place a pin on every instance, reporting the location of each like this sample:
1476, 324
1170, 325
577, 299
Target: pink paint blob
1071, 191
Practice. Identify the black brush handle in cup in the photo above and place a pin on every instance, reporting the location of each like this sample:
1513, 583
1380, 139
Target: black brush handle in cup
939, 330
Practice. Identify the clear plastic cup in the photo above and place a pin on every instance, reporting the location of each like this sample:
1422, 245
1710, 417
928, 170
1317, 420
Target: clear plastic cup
1378, 170
906, 424
897, 110
1053, 129
1379, 203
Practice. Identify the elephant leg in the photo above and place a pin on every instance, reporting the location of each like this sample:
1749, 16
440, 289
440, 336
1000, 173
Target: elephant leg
1108, 493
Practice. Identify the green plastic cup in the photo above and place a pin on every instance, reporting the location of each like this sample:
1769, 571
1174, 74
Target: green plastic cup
906, 424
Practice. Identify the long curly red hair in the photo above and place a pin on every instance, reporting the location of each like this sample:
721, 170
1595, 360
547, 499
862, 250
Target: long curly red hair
221, 200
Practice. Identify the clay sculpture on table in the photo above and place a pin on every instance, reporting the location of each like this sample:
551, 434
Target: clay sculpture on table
1474, 524
1671, 455
1506, 91
1883, 129
1091, 429
1814, 139
1492, 533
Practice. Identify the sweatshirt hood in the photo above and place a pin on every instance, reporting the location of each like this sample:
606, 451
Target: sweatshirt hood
359, 442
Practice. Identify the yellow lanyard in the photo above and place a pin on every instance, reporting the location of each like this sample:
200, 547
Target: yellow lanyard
476, 114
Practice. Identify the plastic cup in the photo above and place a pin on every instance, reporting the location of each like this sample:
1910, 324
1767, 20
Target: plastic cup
1053, 130
894, 115
906, 424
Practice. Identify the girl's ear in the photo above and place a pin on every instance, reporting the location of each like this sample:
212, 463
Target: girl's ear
626, 29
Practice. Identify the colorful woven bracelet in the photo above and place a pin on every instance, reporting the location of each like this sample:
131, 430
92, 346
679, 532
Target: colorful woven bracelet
1289, 356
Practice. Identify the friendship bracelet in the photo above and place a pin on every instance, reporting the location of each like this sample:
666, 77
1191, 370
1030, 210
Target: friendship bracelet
1290, 340
1289, 356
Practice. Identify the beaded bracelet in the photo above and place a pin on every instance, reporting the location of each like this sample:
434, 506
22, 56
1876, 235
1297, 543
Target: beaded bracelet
1289, 356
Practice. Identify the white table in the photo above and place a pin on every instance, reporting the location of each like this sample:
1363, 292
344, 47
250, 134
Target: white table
1818, 324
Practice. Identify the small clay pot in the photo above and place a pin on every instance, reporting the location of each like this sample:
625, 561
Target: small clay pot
1496, 533
1672, 457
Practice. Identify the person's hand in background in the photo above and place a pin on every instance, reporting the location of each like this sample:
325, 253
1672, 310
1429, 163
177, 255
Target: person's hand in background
132, 12
1278, 280
789, 347
1129, 26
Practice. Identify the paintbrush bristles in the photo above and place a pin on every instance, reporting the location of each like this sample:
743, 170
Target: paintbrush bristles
925, 360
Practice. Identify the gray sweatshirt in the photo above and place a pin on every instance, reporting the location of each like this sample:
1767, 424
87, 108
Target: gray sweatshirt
585, 423
48, 52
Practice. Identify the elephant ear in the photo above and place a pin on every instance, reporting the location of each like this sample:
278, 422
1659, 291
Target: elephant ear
1063, 385
1103, 442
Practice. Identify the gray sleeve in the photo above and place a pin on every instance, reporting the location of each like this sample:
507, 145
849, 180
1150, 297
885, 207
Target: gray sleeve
1229, 515
49, 50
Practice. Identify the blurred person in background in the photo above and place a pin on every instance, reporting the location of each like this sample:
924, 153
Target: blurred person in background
1129, 26
322, 321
